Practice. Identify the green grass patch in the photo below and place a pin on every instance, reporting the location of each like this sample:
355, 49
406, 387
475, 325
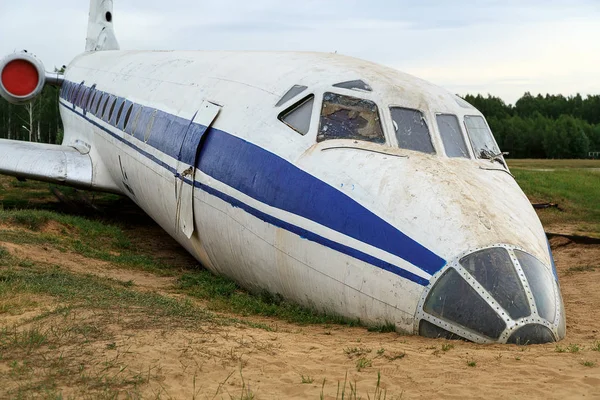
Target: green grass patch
576, 191
96, 293
582, 268
551, 164
224, 295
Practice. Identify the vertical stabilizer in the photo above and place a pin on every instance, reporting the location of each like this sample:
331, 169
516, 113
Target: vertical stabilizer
101, 35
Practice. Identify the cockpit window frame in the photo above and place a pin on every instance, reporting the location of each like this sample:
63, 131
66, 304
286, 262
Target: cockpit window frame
472, 145
382, 113
311, 97
389, 127
463, 131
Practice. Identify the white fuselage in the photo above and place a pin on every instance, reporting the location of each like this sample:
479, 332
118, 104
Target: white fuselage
358, 229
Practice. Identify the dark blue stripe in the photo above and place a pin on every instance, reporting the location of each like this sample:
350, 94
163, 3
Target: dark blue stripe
313, 237
270, 219
276, 182
272, 180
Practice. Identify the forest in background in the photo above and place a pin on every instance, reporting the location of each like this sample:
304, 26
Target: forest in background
38, 121
551, 126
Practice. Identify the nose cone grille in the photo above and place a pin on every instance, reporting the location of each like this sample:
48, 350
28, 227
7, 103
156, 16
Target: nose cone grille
531, 334
452, 298
500, 294
494, 270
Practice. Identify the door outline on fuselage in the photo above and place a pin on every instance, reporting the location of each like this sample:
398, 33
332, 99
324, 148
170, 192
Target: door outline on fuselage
190, 150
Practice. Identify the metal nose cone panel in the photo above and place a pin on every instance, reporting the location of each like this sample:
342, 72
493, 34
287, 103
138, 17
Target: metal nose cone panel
531, 334
496, 295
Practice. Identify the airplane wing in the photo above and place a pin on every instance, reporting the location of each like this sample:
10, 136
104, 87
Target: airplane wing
45, 162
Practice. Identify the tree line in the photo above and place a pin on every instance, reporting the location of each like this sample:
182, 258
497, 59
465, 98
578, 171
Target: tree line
551, 126
38, 121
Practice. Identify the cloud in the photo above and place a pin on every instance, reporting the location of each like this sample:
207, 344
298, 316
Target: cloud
503, 47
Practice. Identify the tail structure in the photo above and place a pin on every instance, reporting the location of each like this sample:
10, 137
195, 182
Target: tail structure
101, 35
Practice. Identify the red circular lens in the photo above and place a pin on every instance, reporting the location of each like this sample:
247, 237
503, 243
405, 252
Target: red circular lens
20, 77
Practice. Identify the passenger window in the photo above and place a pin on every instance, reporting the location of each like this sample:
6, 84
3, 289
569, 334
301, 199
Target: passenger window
127, 116
119, 113
108, 100
84, 97
92, 98
299, 115
481, 137
134, 122
112, 110
452, 136
344, 117
293, 92
76, 95
411, 130
150, 125
100, 100
81, 97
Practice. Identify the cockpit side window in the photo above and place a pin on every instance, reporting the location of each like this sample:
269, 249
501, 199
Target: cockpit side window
354, 85
411, 130
290, 94
344, 117
481, 137
298, 116
452, 136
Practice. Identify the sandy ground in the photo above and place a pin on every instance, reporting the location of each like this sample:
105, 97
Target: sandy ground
231, 361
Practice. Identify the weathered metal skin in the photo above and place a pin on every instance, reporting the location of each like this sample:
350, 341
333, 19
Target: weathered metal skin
58, 164
365, 230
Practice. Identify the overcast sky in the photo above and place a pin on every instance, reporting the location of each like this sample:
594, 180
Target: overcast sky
503, 47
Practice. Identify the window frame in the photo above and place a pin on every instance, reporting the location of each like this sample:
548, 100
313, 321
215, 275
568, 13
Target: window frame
491, 134
361, 95
390, 121
463, 130
294, 107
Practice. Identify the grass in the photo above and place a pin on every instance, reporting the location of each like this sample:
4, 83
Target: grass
356, 351
582, 268
349, 391
96, 293
552, 164
571, 348
222, 294
447, 346
363, 363
386, 327
572, 184
588, 363
393, 356
56, 348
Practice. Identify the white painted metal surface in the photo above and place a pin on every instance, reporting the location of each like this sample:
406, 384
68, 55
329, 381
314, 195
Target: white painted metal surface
45, 162
345, 226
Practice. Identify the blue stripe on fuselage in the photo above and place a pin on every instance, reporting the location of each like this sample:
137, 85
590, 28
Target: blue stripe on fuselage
276, 182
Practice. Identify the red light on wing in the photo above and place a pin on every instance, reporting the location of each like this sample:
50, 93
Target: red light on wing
20, 78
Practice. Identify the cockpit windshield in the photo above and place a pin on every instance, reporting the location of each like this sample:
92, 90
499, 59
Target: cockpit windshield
411, 130
345, 117
482, 140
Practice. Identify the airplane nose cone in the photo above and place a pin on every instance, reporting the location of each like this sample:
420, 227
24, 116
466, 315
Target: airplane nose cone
531, 334
500, 294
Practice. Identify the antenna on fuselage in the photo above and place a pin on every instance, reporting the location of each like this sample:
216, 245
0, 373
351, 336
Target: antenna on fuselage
101, 35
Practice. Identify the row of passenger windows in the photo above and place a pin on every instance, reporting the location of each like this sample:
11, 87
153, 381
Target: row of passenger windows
114, 110
345, 117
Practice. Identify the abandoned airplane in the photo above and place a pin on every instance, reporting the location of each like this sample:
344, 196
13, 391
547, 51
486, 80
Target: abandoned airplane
339, 184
